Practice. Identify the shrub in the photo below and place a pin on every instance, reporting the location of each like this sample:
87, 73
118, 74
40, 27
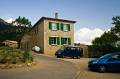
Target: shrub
10, 55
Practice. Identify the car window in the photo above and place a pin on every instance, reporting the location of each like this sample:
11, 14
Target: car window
116, 57
105, 56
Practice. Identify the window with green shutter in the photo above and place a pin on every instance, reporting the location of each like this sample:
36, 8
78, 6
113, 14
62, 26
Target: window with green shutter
54, 41
58, 41
68, 27
50, 25
57, 26
54, 26
65, 41
69, 41
50, 40
62, 41
62, 25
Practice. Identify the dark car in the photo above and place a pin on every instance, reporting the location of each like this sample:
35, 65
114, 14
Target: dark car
69, 52
108, 62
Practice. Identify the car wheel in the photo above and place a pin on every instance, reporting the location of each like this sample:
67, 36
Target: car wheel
78, 57
57, 56
63, 56
102, 69
72, 57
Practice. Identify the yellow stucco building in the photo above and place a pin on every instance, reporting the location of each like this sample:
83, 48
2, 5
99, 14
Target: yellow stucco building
49, 34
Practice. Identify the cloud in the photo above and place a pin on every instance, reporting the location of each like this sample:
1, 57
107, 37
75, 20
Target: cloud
86, 35
10, 20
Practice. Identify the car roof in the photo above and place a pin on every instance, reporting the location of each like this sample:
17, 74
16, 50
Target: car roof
109, 55
115, 53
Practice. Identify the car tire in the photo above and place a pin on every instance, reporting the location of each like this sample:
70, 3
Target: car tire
78, 57
57, 56
63, 56
102, 69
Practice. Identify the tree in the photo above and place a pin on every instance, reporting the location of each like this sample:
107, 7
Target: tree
23, 25
109, 41
108, 38
22, 21
116, 23
105, 43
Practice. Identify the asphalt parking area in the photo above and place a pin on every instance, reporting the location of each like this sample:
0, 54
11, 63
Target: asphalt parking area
84, 73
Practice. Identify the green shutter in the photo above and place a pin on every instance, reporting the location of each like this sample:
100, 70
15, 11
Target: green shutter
57, 26
62, 26
58, 40
62, 41
50, 40
50, 25
68, 27
69, 41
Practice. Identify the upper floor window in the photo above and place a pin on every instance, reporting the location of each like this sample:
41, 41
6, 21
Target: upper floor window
65, 27
57, 26
53, 26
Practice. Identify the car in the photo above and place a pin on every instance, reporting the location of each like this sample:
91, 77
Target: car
73, 52
108, 62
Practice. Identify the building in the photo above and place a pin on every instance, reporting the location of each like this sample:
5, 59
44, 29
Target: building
10, 43
49, 34
85, 49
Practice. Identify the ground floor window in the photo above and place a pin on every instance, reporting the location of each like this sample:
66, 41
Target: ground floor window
59, 40
54, 40
65, 41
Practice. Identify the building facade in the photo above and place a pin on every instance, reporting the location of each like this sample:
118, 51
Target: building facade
49, 34
84, 47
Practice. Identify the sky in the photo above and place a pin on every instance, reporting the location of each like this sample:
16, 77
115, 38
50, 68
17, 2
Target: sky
92, 16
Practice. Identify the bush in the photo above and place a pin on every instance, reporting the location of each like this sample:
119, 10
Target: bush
10, 55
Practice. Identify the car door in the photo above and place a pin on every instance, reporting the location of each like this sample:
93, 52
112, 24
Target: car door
114, 62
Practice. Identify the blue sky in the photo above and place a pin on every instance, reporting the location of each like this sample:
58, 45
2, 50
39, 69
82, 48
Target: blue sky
88, 13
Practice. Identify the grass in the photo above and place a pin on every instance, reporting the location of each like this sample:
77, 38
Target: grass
10, 55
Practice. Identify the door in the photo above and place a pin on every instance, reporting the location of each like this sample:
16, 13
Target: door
114, 62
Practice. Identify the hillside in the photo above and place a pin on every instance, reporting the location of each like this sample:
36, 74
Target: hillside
10, 32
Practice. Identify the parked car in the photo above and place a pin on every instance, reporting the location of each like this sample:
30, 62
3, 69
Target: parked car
108, 62
69, 52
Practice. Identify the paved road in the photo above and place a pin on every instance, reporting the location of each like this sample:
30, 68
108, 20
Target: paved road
47, 68
84, 73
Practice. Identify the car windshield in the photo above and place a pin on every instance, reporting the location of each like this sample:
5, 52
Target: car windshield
105, 56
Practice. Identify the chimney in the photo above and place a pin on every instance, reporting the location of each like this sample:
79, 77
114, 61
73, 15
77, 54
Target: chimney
56, 15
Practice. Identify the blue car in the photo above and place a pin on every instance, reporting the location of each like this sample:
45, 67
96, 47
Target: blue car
108, 62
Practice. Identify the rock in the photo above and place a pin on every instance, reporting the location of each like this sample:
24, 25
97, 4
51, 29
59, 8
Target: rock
29, 64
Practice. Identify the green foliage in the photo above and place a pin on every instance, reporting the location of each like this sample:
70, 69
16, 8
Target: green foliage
14, 31
13, 56
22, 21
107, 38
116, 23
107, 42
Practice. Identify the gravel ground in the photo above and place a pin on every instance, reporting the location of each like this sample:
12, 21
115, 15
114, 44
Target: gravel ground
84, 73
46, 68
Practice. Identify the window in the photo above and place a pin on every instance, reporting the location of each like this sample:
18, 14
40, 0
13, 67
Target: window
65, 27
57, 26
53, 26
54, 41
65, 41
116, 57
